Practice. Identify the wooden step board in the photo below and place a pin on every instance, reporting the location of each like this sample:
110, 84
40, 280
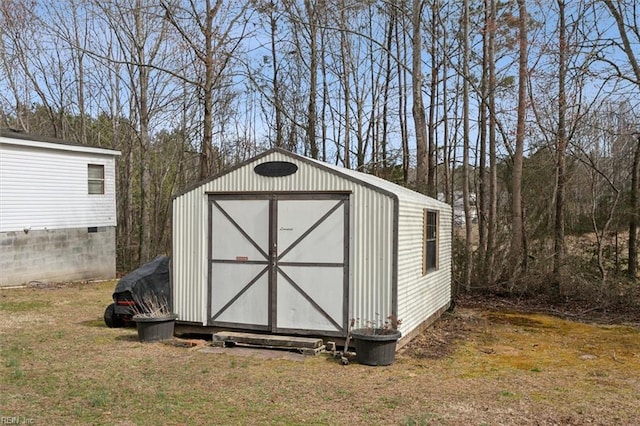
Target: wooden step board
305, 345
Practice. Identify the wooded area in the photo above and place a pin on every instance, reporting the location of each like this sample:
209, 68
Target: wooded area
522, 114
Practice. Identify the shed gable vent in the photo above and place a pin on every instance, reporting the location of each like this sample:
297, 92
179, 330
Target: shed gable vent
275, 168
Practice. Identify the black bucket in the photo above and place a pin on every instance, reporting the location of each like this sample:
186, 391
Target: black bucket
375, 349
152, 329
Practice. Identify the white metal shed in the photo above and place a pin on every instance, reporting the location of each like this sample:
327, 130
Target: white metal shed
287, 244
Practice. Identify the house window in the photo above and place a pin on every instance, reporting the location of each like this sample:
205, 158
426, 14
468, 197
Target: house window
96, 178
430, 241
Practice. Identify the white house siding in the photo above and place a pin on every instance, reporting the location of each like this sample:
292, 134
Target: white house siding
371, 235
47, 188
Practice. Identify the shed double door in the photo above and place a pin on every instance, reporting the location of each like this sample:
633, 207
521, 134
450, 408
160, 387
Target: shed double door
279, 263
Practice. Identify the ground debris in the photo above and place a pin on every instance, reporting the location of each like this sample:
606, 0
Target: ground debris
588, 357
185, 343
438, 340
574, 310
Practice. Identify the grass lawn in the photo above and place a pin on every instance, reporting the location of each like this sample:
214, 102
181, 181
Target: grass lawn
61, 365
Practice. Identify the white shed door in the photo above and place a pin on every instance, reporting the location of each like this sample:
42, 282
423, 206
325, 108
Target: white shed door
280, 263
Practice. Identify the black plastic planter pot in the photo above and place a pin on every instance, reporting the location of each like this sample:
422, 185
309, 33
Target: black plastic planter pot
375, 349
155, 329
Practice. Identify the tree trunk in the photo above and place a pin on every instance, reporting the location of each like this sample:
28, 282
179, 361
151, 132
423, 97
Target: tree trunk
446, 148
468, 253
561, 145
79, 66
206, 151
387, 83
432, 190
145, 234
419, 119
635, 211
344, 50
492, 220
402, 98
517, 235
482, 169
325, 95
313, 80
277, 102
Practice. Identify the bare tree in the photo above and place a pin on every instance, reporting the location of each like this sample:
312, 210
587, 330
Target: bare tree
596, 155
468, 254
273, 21
141, 38
626, 19
346, 86
492, 217
419, 118
214, 47
447, 147
517, 227
433, 100
634, 205
388, 80
311, 12
63, 21
403, 96
561, 147
32, 69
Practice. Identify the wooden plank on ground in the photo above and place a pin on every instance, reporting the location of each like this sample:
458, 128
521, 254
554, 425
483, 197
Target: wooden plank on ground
269, 340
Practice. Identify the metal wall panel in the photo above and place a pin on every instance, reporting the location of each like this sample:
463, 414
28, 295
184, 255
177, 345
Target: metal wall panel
420, 296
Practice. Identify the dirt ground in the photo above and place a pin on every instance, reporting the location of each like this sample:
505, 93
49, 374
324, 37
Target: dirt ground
491, 361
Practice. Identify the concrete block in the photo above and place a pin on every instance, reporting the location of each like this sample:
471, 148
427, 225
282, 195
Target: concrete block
60, 255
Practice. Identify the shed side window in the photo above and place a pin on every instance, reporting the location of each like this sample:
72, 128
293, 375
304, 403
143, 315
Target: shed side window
96, 178
430, 241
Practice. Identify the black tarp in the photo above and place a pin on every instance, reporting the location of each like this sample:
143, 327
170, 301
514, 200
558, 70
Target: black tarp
151, 279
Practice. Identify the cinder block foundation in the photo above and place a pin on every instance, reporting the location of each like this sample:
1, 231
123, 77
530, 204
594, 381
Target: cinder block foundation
57, 255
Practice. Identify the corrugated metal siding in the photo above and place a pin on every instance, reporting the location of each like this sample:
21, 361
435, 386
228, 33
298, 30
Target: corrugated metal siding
47, 188
189, 256
371, 236
420, 296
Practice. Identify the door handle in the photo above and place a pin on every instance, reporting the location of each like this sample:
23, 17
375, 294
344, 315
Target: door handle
274, 255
